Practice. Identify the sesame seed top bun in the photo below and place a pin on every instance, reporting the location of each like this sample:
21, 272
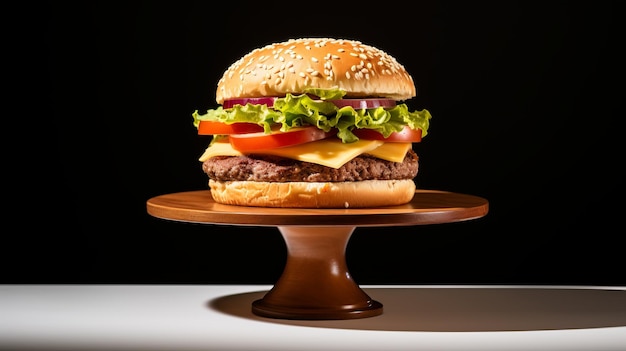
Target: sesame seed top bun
297, 64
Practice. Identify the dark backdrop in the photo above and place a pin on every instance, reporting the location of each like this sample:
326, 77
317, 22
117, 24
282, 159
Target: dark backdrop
526, 103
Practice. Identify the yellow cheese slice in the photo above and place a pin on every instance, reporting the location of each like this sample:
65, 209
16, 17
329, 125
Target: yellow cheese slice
394, 152
328, 152
219, 149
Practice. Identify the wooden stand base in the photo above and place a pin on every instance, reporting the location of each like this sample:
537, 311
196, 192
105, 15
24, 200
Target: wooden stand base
316, 283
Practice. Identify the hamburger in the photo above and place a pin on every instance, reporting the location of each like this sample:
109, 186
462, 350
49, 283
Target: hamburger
313, 123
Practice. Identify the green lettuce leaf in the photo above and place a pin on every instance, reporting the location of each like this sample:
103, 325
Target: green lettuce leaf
300, 110
326, 94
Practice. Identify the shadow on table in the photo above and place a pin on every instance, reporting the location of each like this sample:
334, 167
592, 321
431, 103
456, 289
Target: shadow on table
476, 309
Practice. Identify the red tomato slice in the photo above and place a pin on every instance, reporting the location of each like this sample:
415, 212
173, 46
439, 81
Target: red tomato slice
260, 141
213, 128
406, 135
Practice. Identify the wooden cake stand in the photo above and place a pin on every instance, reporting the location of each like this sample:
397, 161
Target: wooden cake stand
315, 283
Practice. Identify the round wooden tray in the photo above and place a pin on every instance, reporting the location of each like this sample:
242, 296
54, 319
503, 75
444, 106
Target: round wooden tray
316, 283
427, 207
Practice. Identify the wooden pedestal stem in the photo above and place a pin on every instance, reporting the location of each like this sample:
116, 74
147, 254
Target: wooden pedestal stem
316, 283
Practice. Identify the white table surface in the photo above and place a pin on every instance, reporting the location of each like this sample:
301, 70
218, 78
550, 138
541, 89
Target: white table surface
218, 317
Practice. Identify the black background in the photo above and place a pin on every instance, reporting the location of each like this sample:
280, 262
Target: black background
527, 108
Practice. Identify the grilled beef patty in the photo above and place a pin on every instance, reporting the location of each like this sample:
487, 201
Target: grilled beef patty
264, 168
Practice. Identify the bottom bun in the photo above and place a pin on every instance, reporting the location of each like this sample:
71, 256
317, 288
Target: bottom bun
368, 193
